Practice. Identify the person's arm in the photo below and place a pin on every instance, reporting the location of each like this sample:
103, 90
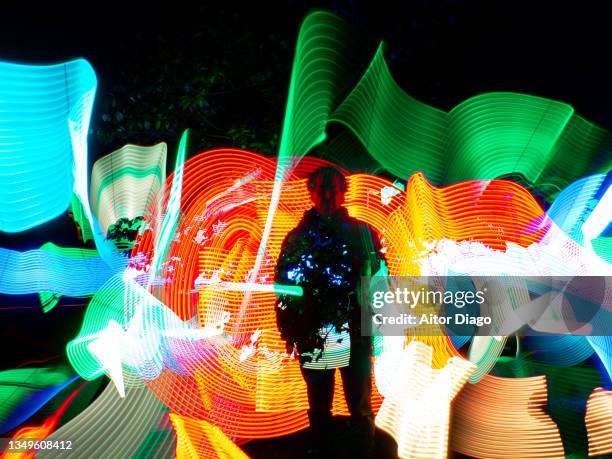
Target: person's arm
372, 257
285, 314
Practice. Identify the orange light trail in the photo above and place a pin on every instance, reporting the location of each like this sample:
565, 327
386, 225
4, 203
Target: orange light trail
225, 200
41, 431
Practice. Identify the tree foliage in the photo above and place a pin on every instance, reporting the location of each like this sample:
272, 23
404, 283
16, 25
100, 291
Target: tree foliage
227, 81
124, 231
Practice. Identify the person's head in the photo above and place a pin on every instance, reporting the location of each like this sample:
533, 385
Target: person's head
327, 186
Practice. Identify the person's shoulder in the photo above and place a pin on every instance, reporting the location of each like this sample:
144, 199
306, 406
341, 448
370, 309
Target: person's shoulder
361, 227
357, 224
305, 222
301, 227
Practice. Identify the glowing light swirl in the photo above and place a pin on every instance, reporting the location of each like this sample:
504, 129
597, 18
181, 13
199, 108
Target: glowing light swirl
224, 203
238, 378
599, 429
125, 182
66, 271
416, 406
484, 137
505, 418
200, 439
43, 153
134, 426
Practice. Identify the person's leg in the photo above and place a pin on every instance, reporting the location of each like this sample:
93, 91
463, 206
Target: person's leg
320, 389
357, 382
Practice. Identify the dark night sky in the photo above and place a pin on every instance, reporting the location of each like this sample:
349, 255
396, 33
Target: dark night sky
440, 52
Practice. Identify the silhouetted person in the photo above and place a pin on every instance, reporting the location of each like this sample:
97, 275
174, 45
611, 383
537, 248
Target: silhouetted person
326, 254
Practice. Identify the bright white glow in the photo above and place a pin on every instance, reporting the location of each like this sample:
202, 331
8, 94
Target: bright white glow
387, 193
107, 349
600, 217
555, 255
416, 408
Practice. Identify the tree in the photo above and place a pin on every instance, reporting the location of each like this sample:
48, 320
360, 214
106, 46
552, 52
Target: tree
227, 81
124, 231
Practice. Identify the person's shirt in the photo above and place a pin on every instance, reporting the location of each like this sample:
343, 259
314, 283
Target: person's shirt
325, 256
